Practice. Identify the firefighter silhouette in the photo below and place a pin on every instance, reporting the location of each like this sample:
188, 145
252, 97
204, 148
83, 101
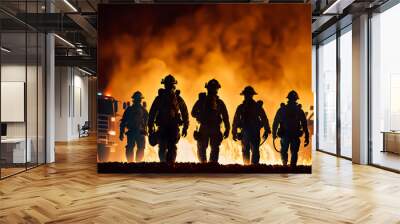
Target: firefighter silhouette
250, 117
290, 124
210, 111
135, 120
168, 112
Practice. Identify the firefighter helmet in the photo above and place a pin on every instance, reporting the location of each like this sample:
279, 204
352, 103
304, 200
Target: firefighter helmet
213, 84
137, 95
248, 90
293, 95
169, 79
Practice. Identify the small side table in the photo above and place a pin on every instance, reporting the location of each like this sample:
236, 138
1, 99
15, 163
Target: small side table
391, 141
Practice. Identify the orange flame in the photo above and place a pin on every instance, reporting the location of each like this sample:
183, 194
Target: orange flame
266, 46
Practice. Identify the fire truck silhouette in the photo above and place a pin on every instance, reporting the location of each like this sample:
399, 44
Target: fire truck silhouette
107, 108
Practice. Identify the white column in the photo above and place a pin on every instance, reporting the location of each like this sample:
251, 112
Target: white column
50, 91
50, 99
360, 90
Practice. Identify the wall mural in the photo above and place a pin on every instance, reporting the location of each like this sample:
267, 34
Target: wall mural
204, 88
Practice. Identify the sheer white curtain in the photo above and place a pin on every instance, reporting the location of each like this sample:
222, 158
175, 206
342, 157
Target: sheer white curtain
385, 82
346, 94
327, 96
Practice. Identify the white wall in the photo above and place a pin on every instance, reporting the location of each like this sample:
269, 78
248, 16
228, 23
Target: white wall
61, 104
12, 73
80, 112
71, 102
16, 73
33, 127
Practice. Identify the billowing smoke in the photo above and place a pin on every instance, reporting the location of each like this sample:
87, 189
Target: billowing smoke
266, 46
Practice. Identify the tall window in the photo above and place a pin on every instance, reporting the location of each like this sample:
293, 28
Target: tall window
15, 146
385, 88
327, 96
22, 77
346, 93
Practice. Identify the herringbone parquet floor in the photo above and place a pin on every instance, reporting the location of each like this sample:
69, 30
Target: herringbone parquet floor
70, 191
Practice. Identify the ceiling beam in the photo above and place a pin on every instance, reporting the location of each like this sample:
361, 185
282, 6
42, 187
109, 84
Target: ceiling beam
77, 61
84, 24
